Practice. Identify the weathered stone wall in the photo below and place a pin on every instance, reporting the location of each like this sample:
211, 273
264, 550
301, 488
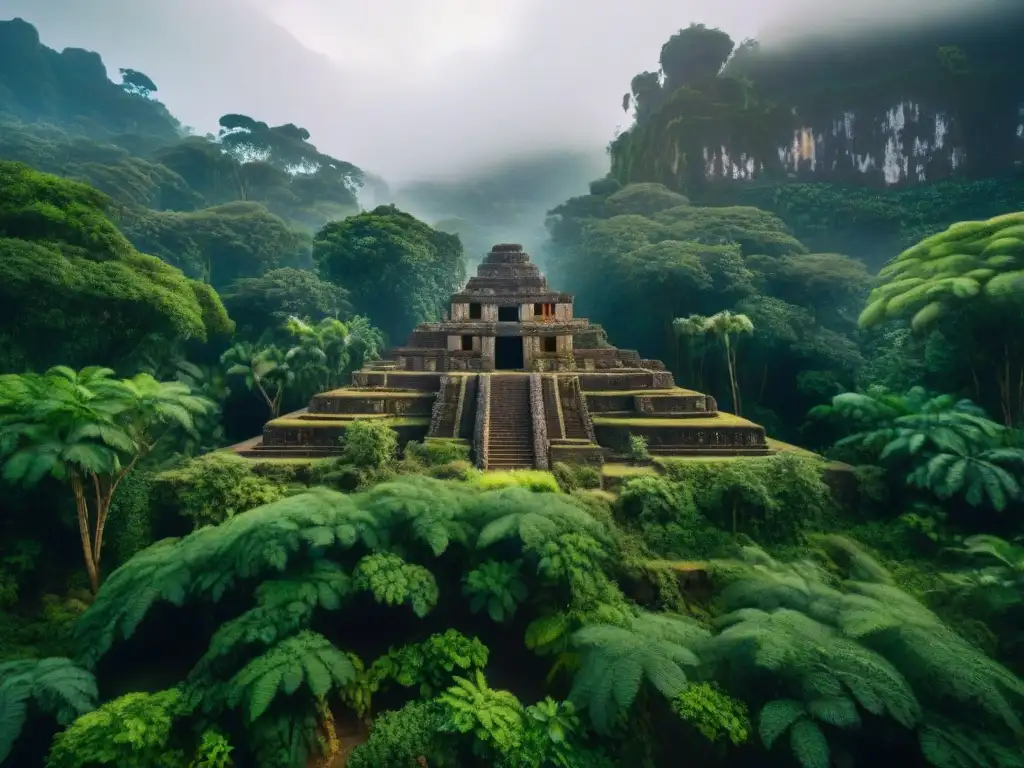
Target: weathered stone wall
672, 405
538, 422
467, 406
604, 358
590, 337
421, 382
413, 405
483, 412
577, 453
683, 438
330, 438
487, 353
460, 402
442, 417
584, 409
616, 380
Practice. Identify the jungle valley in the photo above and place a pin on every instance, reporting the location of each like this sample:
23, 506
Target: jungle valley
828, 242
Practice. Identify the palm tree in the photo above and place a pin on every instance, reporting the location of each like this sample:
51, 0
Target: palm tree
726, 326
691, 328
326, 352
90, 429
265, 371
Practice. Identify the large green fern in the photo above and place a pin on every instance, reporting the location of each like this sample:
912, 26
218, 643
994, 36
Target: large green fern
313, 552
306, 658
616, 661
953, 448
838, 647
55, 685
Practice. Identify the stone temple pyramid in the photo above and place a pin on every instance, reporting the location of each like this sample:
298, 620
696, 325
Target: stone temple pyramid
511, 371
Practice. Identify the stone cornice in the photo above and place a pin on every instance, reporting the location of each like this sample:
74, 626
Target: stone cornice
490, 296
528, 328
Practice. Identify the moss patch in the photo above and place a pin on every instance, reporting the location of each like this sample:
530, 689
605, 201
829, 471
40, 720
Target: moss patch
679, 566
536, 480
781, 447
615, 469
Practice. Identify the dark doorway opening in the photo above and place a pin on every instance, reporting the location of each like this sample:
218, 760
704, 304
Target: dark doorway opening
508, 353
467, 343
508, 314
475, 312
550, 343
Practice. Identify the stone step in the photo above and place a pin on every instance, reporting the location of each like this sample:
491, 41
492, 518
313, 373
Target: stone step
510, 428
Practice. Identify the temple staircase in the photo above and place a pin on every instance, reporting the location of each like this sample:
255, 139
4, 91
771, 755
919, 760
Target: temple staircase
510, 429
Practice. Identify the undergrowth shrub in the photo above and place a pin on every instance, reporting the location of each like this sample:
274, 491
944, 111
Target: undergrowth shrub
369, 444
139, 730
573, 477
214, 488
663, 513
130, 529
772, 499
455, 470
434, 452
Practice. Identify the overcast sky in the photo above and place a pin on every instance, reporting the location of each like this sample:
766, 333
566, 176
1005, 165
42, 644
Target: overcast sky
417, 88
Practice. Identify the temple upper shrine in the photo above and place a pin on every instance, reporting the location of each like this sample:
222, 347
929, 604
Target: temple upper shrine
512, 372
508, 319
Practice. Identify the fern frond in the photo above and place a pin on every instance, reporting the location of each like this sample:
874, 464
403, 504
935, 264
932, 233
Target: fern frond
809, 744
496, 586
307, 658
533, 518
210, 561
393, 581
284, 606
617, 660
418, 509
777, 717
56, 685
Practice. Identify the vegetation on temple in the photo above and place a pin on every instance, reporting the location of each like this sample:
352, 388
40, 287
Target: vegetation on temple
165, 603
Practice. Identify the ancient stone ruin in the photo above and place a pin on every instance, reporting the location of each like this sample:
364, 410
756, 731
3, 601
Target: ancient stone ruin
514, 374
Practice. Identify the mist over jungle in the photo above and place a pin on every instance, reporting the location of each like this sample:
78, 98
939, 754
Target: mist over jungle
511, 383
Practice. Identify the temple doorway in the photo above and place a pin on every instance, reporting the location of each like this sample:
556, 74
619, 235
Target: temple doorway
508, 314
508, 353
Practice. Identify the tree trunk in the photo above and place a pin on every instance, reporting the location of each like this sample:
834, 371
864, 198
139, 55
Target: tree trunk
104, 500
82, 507
736, 383
732, 375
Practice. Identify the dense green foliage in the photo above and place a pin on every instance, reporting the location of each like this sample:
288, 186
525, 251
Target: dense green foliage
417, 267
64, 264
397, 609
646, 246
